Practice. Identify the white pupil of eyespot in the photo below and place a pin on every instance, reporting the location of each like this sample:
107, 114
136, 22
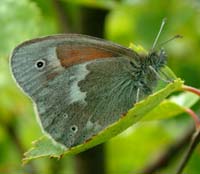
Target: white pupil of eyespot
40, 64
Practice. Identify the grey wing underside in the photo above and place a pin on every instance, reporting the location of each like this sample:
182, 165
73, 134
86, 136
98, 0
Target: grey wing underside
86, 98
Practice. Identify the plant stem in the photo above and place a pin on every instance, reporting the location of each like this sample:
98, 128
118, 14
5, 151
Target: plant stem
191, 89
193, 143
171, 153
194, 117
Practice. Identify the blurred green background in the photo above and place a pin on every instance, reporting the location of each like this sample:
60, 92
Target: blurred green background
121, 21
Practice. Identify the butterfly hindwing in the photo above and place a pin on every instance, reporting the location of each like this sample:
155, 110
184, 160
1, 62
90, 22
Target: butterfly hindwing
85, 106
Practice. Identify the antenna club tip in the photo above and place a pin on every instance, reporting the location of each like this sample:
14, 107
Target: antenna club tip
178, 36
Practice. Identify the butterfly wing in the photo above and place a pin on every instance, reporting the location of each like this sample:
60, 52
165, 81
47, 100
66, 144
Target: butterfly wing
87, 84
111, 91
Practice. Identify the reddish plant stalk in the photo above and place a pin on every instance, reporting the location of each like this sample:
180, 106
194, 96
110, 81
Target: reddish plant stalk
191, 89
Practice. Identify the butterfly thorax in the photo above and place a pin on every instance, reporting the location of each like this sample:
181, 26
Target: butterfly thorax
146, 71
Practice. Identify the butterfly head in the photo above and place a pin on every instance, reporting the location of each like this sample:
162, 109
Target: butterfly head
156, 59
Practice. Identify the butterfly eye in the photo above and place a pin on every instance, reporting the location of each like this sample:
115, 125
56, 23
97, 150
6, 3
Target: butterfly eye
40, 64
74, 128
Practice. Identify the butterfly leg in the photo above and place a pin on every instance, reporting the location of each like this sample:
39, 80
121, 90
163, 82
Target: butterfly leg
169, 79
165, 79
138, 95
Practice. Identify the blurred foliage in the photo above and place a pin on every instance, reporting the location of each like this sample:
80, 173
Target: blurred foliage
13, 23
127, 21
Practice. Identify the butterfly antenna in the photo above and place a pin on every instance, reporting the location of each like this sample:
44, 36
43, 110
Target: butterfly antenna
160, 30
169, 40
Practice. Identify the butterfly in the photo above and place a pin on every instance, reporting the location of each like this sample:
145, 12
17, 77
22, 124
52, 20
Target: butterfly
82, 84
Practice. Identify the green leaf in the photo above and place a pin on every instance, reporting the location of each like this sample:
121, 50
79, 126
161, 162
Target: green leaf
165, 110
171, 107
46, 147
186, 99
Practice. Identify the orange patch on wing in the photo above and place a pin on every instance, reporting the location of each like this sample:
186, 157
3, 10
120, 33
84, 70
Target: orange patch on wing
69, 56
